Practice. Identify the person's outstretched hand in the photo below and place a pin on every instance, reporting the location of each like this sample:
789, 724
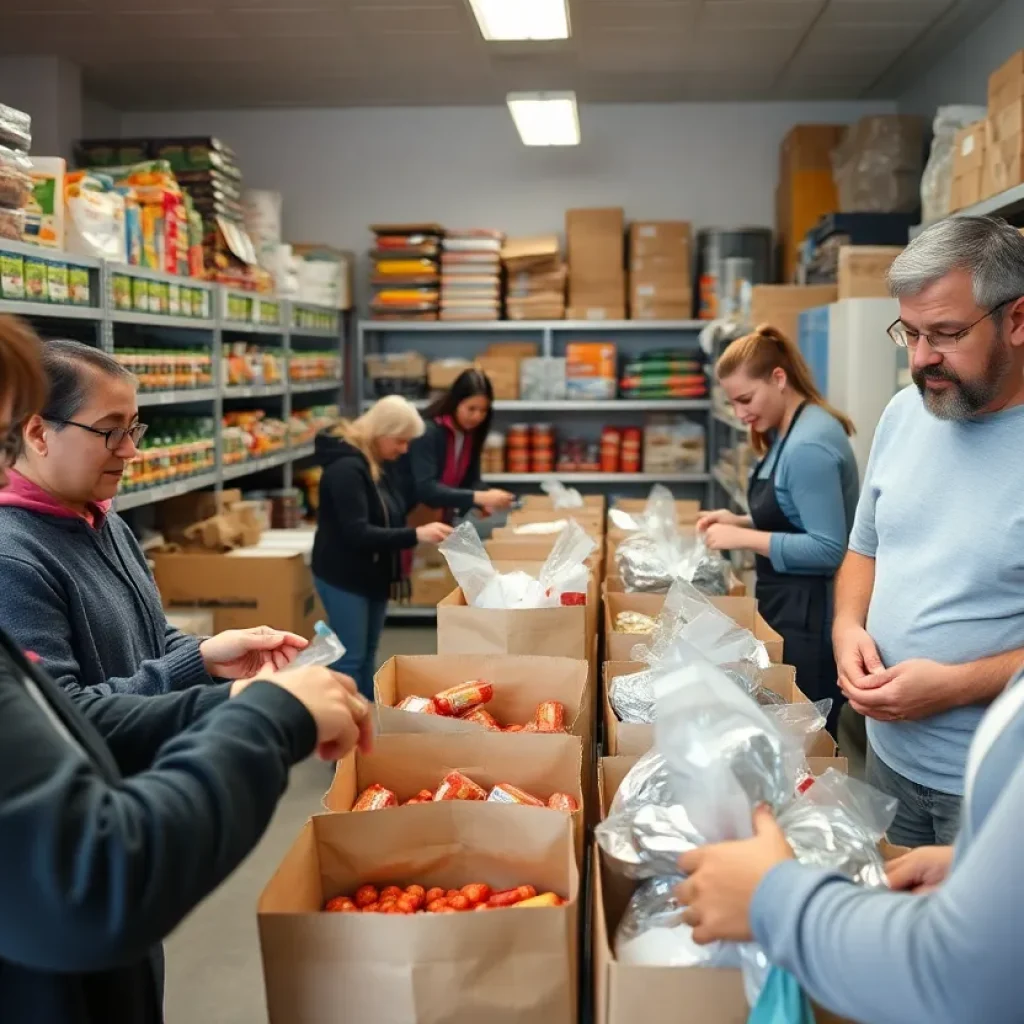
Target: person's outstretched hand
920, 871
342, 715
242, 653
432, 533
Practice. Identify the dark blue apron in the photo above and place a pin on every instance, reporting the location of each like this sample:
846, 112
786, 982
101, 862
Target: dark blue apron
797, 606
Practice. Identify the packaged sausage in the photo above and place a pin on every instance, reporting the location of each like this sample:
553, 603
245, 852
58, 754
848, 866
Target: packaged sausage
505, 793
456, 786
563, 802
482, 717
459, 699
551, 716
420, 705
374, 798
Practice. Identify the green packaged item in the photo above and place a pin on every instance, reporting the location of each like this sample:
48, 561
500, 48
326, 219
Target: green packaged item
174, 299
140, 295
78, 286
36, 287
122, 292
12, 276
57, 282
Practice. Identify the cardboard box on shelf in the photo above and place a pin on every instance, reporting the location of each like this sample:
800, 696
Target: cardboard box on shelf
407, 763
503, 373
543, 502
647, 310
637, 738
513, 349
967, 190
553, 632
969, 148
742, 610
389, 970
442, 373
248, 587
175, 515
781, 304
664, 239
1006, 83
594, 239
596, 311
664, 287
1004, 165
862, 270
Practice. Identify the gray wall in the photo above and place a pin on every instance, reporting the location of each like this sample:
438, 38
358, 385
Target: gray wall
48, 89
340, 170
961, 76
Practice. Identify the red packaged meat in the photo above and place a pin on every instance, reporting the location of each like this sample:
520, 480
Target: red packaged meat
457, 700
505, 793
482, 717
551, 716
572, 599
375, 797
456, 786
422, 705
563, 802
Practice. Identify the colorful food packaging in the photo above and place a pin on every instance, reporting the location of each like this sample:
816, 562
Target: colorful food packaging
420, 705
551, 716
505, 793
510, 897
457, 700
374, 798
482, 717
563, 802
572, 598
456, 786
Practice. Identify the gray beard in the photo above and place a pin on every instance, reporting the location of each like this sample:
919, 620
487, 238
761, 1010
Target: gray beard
965, 399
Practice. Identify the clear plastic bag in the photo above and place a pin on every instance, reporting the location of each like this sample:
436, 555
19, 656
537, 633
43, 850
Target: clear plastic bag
562, 496
324, 649
565, 570
652, 932
15, 129
781, 1001
877, 165
468, 560
937, 179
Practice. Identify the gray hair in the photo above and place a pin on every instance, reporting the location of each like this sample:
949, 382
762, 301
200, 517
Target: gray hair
66, 365
986, 247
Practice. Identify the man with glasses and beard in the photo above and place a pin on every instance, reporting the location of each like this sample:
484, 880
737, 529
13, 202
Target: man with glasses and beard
929, 602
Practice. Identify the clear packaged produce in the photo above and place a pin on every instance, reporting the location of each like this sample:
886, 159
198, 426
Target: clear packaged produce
12, 224
324, 649
15, 129
15, 179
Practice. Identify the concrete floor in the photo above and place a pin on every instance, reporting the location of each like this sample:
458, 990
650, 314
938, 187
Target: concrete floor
213, 959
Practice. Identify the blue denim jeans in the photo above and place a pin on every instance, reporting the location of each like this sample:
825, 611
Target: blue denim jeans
358, 621
925, 817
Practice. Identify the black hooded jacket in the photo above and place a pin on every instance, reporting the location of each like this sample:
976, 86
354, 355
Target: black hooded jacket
361, 530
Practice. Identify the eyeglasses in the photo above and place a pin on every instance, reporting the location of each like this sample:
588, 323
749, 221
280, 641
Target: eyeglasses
114, 437
938, 341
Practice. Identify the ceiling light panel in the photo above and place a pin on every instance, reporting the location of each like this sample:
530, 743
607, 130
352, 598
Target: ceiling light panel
545, 118
508, 20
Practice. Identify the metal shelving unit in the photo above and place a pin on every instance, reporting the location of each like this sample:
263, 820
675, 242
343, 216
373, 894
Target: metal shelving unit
437, 339
1008, 204
736, 496
221, 314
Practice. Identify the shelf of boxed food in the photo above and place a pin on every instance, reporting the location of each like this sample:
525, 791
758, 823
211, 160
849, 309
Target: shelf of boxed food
249, 313
614, 405
57, 311
527, 326
161, 492
736, 493
310, 321
305, 387
153, 293
43, 282
597, 478
254, 391
257, 465
150, 398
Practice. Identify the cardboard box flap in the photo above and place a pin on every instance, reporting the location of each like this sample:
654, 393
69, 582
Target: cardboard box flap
520, 684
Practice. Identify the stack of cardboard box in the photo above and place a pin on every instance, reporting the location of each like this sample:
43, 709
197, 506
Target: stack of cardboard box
597, 276
1004, 149
535, 279
501, 362
806, 189
968, 186
781, 304
659, 270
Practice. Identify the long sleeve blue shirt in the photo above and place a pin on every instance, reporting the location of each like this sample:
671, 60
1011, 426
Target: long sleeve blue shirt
950, 957
816, 485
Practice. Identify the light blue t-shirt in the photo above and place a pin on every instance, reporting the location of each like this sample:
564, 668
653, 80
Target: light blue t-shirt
816, 486
942, 514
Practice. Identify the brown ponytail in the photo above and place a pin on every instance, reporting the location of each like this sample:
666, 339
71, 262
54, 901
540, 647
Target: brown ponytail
765, 351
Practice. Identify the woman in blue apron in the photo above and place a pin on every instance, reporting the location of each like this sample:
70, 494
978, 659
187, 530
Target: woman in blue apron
801, 497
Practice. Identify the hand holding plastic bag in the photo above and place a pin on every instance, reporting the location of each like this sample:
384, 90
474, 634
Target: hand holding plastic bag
324, 649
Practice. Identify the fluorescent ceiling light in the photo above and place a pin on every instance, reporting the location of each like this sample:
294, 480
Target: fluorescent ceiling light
504, 20
545, 118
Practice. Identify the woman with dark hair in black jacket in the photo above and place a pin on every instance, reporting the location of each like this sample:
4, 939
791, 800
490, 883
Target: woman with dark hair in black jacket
120, 813
445, 462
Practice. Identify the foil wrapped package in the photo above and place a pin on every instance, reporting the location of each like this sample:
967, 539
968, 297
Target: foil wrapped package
837, 823
647, 830
635, 622
652, 932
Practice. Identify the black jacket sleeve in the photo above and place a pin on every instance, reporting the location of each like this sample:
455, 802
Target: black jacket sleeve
347, 487
426, 454
95, 870
135, 728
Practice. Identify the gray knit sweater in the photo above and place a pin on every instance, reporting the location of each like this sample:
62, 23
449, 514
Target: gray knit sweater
83, 600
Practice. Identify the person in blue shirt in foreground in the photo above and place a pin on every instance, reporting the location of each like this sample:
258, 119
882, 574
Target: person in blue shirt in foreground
802, 497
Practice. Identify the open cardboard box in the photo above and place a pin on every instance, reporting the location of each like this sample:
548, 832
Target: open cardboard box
624, 993
636, 738
591, 519
543, 502
406, 763
553, 632
502, 967
743, 610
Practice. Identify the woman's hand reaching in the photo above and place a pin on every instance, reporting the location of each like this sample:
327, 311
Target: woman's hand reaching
432, 533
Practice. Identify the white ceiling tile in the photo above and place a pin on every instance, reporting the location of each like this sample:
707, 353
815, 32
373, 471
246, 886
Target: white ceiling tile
795, 15
630, 15
884, 12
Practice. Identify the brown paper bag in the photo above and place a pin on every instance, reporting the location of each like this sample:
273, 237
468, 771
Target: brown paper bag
407, 763
502, 966
553, 632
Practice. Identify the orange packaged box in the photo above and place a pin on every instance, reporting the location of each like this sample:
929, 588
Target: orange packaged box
585, 359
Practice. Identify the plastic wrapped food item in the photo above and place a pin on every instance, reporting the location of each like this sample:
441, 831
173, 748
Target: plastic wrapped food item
937, 179
647, 829
456, 786
550, 716
15, 179
877, 165
635, 622
418, 705
458, 700
375, 798
563, 802
12, 224
482, 717
506, 793
652, 932
838, 822
15, 129
324, 649
562, 496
